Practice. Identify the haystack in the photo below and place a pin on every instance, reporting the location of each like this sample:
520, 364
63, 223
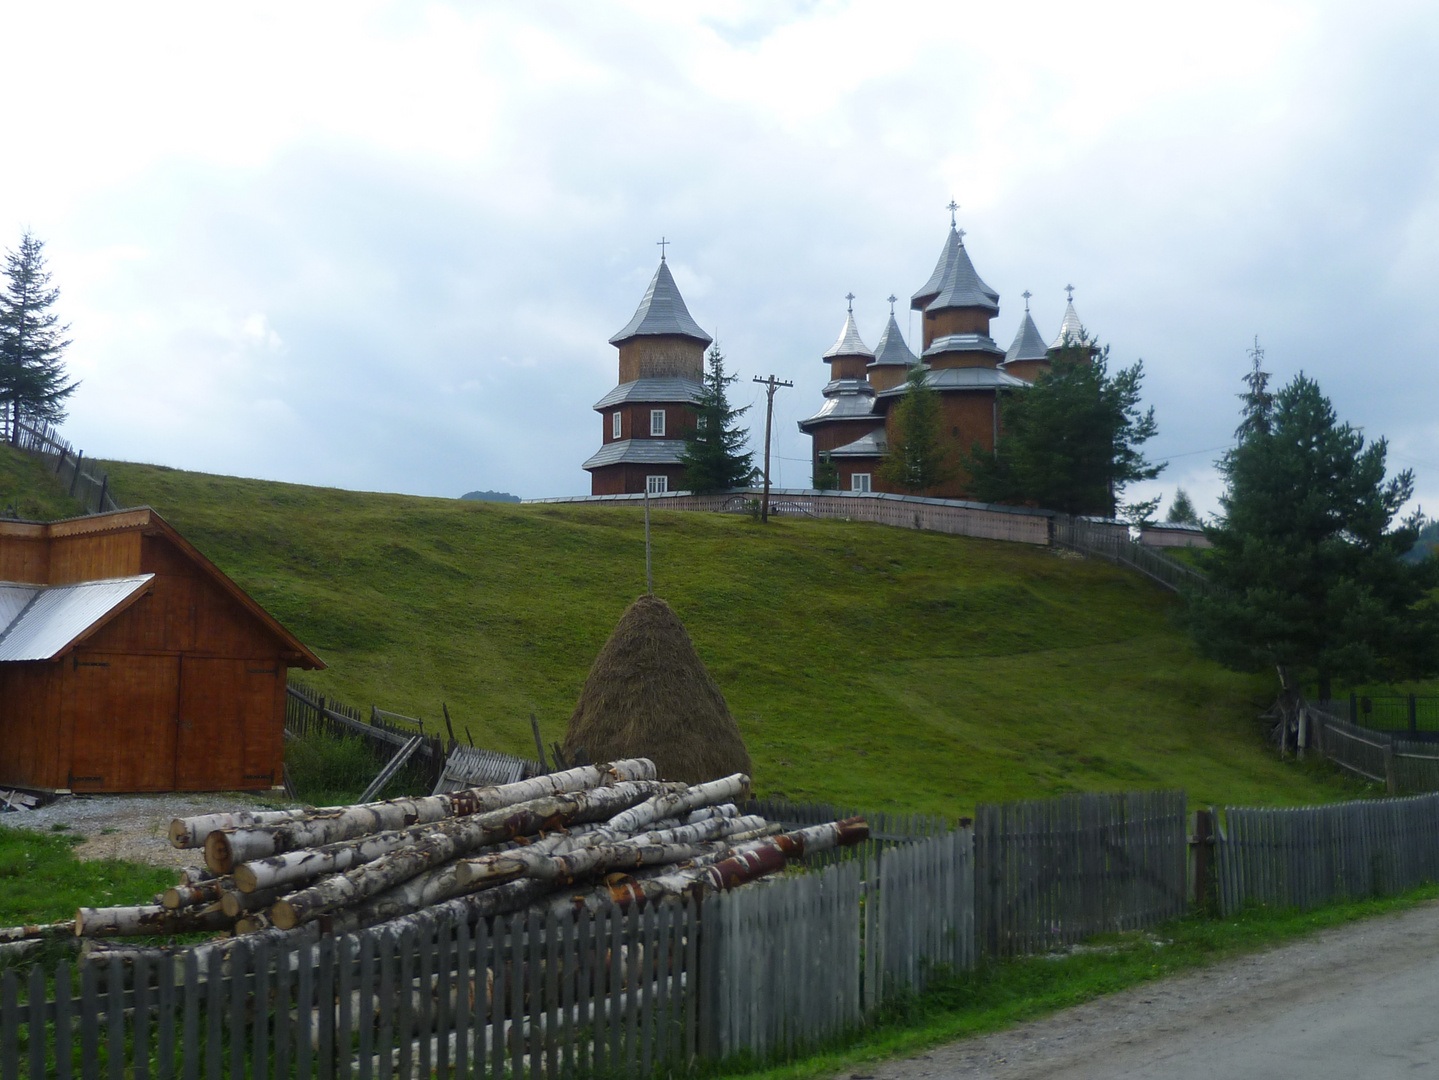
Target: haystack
649, 695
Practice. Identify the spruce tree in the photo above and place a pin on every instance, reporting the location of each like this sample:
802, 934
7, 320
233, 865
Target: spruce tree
33, 383
918, 459
1071, 441
1307, 560
1181, 510
714, 456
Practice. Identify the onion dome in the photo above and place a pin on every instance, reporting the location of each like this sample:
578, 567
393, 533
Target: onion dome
1070, 328
662, 312
1028, 342
891, 348
849, 343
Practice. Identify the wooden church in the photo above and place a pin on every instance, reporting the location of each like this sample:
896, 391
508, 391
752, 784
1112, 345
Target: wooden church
130, 662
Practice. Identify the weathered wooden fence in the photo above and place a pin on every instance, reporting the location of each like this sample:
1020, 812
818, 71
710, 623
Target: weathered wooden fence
91, 491
1319, 854
1048, 873
1401, 765
1111, 540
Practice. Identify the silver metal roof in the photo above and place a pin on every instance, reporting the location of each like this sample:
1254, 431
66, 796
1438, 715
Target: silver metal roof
55, 615
1028, 343
872, 445
673, 388
981, 343
849, 343
930, 289
638, 452
891, 348
1071, 327
845, 399
662, 311
965, 378
962, 287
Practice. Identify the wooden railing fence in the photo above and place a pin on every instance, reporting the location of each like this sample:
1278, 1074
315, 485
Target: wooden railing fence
1111, 540
1048, 873
91, 492
1384, 757
1315, 855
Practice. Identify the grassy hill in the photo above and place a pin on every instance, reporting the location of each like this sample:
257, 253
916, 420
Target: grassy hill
867, 665
28, 489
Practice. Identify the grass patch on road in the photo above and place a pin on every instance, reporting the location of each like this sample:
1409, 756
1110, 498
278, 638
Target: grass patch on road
1000, 995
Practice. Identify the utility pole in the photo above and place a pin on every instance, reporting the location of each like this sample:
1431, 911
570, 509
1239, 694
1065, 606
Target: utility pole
771, 384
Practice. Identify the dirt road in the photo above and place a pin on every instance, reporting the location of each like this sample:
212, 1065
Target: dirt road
1357, 1003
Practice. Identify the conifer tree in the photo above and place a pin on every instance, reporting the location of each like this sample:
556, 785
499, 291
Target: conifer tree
33, 383
1181, 510
714, 456
918, 459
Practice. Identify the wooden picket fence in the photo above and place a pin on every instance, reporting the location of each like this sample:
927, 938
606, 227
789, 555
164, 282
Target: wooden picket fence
1316, 855
1049, 873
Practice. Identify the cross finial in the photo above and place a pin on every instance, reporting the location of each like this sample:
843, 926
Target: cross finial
892, 299
953, 207
1069, 291
661, 242
1026, 294
962, 234
850, 298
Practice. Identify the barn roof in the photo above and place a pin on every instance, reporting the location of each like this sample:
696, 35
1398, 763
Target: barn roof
145, 520
48, 619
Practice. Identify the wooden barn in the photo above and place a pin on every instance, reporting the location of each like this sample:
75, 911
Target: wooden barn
129, 662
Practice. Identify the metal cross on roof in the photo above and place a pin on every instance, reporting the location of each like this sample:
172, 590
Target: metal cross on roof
850, 298
952, 208
1069, 291
892, 299
1026, 294
661, 242
962, 234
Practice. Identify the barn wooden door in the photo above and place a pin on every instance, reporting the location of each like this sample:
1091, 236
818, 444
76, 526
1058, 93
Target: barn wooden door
229, 729
122, 711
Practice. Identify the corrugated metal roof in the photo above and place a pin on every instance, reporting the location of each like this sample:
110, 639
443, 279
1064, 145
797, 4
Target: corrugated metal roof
872, 445
981, 343
1071, 327
673, 388
1028, 343
849, 343
13, 598
638, 452
662, 311
965, 378
891, 348
58, 614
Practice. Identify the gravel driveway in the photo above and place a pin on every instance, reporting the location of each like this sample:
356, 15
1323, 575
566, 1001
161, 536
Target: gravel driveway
1356, 1002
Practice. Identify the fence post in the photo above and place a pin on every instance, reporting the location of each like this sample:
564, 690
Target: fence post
1353, 707
1413, 714
1201, 858
79, 457
1390, 782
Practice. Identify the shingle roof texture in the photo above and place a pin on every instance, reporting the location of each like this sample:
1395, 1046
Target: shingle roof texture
1028, 343
1071, 326
954, 283
849, 343
638, 452
891, 348
673, 388
966, 378
661, 312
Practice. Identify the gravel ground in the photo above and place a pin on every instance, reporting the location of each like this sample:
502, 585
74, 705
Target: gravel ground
1353, 1002
132, 827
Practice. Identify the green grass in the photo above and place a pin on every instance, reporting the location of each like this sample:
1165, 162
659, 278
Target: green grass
1000, 995
871, 666
41, 881
30, 490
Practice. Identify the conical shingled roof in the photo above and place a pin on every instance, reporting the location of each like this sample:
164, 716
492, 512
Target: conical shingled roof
849, 343
1071, 327
962, 287
891, 348
1028, 343
930, 289
662, 311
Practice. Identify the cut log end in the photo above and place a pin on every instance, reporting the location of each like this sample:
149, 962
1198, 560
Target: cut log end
180, 835
245, 879
284, 915
218, 856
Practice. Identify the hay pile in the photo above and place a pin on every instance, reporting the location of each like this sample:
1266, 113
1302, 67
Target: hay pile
649, 695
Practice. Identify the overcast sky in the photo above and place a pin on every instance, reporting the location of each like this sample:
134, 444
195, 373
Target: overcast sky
383, 247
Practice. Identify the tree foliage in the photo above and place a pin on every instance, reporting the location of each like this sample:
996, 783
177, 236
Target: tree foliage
33, 383
1307, 561
826, 473
918, 459
714, 456
1071, 441
1181, 510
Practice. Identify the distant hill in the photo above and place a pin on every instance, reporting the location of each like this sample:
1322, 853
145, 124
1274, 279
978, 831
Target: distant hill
491, 496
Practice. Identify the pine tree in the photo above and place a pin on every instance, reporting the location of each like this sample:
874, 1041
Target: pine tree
918, 459
1070, 442
714, 457
826, 473
1307, 561
33, 383
1181, 510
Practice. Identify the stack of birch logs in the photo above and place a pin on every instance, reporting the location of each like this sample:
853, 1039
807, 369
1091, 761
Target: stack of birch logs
570, 841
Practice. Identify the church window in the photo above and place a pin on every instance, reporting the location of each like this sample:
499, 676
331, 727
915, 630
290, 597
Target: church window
657, 422
655, 485
859, 481
614, 425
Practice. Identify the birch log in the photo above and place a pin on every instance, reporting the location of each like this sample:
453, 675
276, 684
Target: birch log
676, 803
226, 848
446, 841
235, 903
184, 896
38, 932
148, 919
190, 832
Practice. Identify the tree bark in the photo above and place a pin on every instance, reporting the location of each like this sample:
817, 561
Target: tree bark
235, 903
184, 896
679, 802
149, 919
190, 832
39, 932
226, 848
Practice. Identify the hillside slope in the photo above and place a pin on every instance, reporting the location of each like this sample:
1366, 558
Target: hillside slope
867, 665
28, 489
